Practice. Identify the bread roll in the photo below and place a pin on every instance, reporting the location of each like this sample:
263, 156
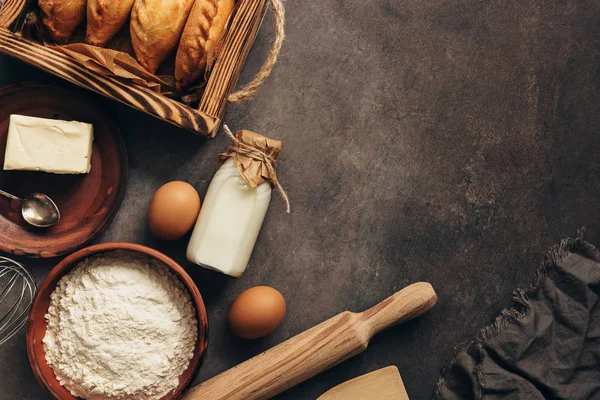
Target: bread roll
61, 17
201, 39
156, 27
105, 18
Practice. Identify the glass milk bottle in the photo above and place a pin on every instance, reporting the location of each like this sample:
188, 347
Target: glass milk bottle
235, 206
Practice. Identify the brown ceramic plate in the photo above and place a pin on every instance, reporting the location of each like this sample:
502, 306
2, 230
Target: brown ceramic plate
87, 202
36, 325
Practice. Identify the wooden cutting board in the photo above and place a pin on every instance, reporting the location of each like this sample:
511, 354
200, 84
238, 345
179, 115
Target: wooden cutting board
383, 384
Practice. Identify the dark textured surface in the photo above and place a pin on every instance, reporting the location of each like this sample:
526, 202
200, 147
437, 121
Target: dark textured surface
451, 142
546, 345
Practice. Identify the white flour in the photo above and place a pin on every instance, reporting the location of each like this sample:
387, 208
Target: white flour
120, 326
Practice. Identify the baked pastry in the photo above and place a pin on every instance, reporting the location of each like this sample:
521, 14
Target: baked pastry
61, 17
105, 18
156, 27
201, 39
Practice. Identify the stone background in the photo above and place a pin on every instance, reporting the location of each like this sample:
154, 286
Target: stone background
445, 141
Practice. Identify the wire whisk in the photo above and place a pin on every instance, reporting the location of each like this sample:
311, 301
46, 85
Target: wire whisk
17, 290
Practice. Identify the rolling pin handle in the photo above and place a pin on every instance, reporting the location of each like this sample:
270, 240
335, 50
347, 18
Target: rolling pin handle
409, 303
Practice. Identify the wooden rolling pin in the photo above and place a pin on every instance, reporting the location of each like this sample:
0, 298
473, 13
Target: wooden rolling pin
315, 350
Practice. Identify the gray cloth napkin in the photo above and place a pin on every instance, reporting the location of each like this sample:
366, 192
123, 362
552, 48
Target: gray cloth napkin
547, 346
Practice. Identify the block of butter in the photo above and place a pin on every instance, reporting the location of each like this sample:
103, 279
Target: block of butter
50, 145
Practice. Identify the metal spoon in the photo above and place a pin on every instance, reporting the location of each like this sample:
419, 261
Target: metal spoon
37, 209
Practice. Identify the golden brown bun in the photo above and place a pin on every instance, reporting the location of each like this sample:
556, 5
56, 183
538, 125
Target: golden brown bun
61, 17
156, 27
105, 18
201, 39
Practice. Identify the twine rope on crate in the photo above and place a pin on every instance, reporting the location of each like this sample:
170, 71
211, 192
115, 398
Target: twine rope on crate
254, 153
251, 88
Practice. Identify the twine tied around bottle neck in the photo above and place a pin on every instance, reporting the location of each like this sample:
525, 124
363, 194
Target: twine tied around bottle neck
258, 165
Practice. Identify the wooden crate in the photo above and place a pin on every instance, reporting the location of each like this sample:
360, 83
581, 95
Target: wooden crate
204, 121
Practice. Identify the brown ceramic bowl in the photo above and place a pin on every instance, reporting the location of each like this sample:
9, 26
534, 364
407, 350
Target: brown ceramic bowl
36, 327
87, 202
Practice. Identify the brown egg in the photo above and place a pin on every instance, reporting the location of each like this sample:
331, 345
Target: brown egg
256, 312
174, 210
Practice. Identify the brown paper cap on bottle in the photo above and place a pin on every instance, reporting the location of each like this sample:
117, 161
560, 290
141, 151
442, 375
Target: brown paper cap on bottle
255, 156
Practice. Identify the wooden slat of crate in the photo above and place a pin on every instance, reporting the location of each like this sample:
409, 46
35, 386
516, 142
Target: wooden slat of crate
223, 79
133, 95
226, 72
9, 11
